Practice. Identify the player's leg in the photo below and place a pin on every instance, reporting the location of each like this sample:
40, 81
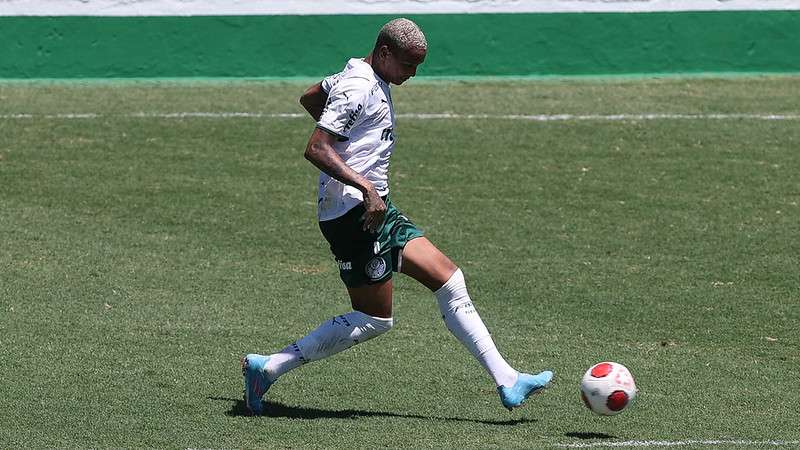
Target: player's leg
367, 276
371, 317
422, 261
373, 299
427, 264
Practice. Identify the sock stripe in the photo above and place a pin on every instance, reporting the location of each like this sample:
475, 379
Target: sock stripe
296, 349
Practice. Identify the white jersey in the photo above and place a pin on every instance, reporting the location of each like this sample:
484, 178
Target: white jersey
360, 113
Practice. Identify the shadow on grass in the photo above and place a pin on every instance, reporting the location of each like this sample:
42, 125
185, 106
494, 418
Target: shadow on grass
580, 435
275, 409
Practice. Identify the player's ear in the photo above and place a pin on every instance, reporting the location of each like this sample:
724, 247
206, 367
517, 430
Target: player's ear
384, 51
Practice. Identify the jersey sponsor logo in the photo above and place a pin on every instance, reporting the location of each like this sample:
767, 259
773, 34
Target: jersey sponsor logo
344, 265
376, 268
387, 134
352, 118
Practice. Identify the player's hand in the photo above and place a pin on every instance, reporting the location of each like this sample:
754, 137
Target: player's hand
376, 211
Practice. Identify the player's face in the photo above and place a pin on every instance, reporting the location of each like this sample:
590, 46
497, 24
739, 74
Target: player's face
402, 65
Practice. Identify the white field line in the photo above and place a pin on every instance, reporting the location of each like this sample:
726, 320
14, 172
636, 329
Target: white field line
690, 442
603, 117
422, 116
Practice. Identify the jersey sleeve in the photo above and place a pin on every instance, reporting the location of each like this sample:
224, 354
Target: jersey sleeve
328, 83
345, 107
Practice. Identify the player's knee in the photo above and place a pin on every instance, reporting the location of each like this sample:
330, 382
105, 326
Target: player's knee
455, 288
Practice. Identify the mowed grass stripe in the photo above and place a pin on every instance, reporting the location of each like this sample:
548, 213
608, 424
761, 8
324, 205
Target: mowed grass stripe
425, 116
693, 443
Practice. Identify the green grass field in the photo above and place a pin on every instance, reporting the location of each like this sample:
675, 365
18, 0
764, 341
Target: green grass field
144, 252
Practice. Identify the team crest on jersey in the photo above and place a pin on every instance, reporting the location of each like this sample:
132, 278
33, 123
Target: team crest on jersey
376, 268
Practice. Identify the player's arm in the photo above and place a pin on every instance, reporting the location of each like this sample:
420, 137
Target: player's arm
313, 100
321, 153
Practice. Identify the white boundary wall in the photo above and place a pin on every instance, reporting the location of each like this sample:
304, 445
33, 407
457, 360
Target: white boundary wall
330, 7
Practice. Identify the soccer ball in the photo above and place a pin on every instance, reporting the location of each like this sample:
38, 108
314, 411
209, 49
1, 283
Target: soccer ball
607, 388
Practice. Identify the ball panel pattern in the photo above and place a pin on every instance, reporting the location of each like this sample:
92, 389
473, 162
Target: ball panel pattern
602, 370
617, 401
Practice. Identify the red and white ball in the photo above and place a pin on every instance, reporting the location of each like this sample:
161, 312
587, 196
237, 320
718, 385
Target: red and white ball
607, 388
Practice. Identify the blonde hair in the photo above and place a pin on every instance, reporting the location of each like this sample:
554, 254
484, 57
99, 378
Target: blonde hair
402, 34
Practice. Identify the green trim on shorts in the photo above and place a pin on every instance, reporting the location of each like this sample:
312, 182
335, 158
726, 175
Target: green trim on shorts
364, 257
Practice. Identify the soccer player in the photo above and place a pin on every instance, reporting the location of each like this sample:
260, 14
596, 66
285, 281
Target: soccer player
368, 236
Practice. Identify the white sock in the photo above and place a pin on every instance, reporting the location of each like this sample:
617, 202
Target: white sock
464, 322
331, 337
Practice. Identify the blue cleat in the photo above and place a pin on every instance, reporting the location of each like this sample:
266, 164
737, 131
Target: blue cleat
525, 386
256, 383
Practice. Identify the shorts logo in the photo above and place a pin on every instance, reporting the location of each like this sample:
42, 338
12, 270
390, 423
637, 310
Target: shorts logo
376, 268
